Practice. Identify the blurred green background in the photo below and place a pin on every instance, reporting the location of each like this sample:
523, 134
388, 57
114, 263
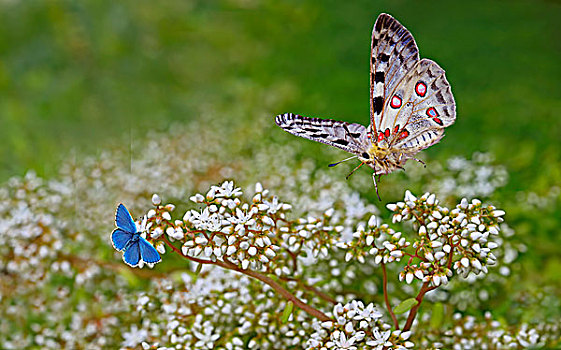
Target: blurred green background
84, 75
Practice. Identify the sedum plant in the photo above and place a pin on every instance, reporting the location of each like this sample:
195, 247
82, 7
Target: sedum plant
304, 260
259, 239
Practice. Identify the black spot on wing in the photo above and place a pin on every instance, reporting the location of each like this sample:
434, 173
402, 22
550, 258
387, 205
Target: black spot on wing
378, 104
341, 142
384, 57
379, 77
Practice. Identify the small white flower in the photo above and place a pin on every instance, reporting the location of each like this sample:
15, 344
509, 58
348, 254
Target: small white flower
134, 337
273, 206
227, 190
252, 251
391, 207
409, 278
198, 198
409, 196
497, 213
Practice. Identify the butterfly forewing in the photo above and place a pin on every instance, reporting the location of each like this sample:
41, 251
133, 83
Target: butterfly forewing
394, 52
123, 219
349, 137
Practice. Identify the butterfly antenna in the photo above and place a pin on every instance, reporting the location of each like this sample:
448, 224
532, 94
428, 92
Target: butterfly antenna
420, 161
376, 186
355, 169
344, 160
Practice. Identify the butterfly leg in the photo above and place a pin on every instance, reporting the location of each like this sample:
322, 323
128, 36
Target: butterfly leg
355, 169
376, 186
420, 161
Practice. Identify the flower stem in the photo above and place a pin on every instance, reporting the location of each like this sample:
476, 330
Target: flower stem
413, 313
388, 306
265, 279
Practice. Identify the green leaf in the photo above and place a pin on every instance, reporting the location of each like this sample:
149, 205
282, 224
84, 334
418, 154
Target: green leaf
198, 269
197, 272
405, 305
437, 316
287, 311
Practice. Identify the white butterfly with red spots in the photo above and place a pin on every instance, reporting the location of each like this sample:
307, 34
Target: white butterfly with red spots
411, 104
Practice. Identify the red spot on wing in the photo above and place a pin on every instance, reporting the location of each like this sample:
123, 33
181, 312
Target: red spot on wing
421, 89
396, 129
403, 134
380, 136
387, 132
431, 112
396, 102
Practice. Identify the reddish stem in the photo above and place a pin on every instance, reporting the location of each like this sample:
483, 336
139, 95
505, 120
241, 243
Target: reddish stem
424, 290
265, 279
312, 289
388, 306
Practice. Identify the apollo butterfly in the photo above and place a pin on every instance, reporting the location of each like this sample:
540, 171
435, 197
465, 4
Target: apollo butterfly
411, 104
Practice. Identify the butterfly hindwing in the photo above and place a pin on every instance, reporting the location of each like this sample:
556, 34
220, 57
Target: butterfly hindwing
132, 254
120, 238
419, 108
148, 253
349, 137
123, 219
393, 53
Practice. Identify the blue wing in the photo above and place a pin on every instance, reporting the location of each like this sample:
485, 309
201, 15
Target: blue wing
120, 238
132, 254
147, 252
123, 219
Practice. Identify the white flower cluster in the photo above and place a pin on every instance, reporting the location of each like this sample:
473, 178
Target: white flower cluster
227, 228
461, 238
380, 242
311, 234
30, 235
357, 327
255, 235
476, 177
218, 309
490, 334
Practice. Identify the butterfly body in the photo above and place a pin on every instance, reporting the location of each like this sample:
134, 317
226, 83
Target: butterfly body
126, 238
411, 104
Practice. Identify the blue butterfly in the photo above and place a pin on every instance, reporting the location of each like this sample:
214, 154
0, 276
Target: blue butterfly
127, 238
